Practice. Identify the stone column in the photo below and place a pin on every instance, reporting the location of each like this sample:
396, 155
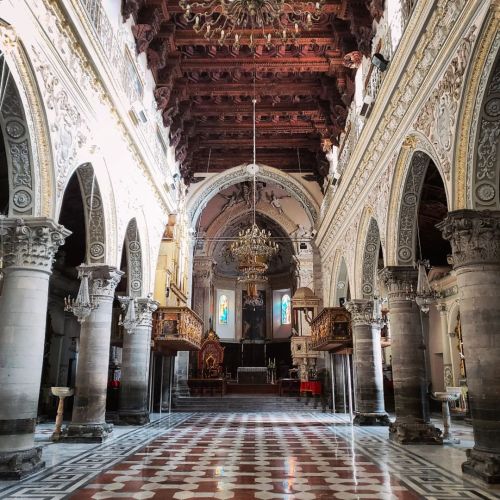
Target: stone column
135, 366
447, 366
29, 248
408, 360
475, 243
166, 398
367, 358
88, 420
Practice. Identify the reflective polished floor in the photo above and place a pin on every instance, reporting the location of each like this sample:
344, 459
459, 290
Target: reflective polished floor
242, 456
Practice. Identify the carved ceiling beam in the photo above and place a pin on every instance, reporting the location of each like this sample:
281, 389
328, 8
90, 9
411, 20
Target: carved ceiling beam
282, 65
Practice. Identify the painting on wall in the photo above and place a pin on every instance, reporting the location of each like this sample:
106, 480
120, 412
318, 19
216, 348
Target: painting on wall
254, 318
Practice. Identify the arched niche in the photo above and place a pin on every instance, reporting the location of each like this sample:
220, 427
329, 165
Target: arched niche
240, 174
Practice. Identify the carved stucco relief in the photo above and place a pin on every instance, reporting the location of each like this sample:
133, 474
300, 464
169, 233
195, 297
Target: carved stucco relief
18, 149
437, 120
370, 259
134, 257
487, 159
94, 216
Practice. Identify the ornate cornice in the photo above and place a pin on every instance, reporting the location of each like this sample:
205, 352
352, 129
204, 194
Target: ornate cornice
474, 237
361, 312
31, 243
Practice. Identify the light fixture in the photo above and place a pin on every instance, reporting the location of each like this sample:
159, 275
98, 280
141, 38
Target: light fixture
425, 295
379, 61
83, 305
253, 247
251, 22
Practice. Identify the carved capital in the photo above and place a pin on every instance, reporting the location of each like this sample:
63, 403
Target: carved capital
400, 282
442, 308
31, 243
103, 279
361, 312
474, 236
145, 307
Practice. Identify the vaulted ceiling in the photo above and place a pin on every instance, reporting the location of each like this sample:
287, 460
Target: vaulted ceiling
205, 90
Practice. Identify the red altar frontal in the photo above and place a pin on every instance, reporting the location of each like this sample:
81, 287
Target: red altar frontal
312, 387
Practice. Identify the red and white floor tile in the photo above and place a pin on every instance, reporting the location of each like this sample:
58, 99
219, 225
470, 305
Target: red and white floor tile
267, 456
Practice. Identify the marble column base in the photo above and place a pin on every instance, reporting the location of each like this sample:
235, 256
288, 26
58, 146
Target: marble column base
414, 432
363, 419
483, 465
87, 433
133, 418
19, 464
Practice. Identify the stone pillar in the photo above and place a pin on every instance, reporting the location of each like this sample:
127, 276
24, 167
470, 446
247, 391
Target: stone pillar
447, 366
29, 248
88, 420
367, 358
408, 360
135, 366
475, 243
166, 398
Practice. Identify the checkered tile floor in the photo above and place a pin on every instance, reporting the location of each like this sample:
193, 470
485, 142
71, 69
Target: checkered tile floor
264, 456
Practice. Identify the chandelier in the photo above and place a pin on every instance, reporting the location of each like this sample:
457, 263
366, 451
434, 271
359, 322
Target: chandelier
83, 305
425, 295
253, 247
269, 21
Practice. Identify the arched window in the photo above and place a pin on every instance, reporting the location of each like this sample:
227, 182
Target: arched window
223, 310
286, 310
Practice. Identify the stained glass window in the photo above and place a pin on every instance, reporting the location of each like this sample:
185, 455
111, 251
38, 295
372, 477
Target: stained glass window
286, 310
223, 310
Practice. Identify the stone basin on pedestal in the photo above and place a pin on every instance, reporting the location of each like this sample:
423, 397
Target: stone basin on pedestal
451, 394
61, 393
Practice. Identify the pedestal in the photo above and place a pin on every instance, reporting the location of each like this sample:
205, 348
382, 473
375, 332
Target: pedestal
135, 367
30, 246
475, 243
446, 398
88, 420
412, 423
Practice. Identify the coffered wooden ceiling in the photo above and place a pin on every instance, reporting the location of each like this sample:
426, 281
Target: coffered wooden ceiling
205, 90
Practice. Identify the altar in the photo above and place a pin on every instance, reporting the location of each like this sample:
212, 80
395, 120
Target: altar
252, 375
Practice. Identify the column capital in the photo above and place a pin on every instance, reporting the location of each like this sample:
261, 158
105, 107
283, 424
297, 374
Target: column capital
361, 311
32, 242
442, 307
145, 307
474, 236
400, 282
103, 280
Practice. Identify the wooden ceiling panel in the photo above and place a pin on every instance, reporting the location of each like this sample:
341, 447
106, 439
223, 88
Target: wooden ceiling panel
204, 89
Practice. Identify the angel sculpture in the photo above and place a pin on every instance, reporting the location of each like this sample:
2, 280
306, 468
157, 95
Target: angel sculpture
275, 201
232, 199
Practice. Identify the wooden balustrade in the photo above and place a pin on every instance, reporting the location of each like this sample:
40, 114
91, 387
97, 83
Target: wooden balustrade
176, 329
331, 330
